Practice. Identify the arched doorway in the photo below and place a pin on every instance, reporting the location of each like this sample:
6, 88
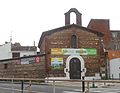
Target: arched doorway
75, 68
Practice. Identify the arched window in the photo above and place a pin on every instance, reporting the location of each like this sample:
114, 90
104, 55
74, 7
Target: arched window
73, 41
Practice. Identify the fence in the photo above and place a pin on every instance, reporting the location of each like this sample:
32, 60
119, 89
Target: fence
85, 83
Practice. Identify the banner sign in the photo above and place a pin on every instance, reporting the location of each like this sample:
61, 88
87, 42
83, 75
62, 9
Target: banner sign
57, 51
31, 60
71, 51
57, 63
37, 59
24, 62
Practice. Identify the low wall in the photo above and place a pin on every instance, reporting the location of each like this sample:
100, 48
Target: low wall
25, 67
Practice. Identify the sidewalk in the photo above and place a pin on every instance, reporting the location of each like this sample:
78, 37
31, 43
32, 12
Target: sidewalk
79, 84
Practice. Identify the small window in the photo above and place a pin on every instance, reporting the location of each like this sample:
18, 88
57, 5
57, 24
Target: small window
15, 55
5, 66
73, 41
114, 35
24, 55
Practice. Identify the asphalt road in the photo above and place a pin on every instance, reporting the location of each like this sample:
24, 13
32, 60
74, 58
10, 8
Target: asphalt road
7, 88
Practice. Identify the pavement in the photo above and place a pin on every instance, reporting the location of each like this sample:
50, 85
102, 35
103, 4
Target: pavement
93, 87
77, 84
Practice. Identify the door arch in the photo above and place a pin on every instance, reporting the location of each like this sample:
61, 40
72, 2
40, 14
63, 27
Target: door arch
67, 68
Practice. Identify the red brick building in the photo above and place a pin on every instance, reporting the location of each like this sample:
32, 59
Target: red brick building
72, 50
101, 25
111, 44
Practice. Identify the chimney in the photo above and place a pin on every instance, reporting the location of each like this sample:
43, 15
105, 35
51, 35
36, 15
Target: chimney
78, 16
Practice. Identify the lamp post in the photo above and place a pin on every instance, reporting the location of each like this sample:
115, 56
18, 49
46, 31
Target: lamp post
22, 82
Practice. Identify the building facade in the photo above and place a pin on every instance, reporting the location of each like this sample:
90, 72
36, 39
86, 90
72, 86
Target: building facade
72, 51
114, 55
9, 50
115, 42
103, 26
111, 45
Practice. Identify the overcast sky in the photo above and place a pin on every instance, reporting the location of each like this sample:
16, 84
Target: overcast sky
27, 19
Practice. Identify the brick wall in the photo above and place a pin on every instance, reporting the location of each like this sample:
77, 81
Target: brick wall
101, 25
85, 39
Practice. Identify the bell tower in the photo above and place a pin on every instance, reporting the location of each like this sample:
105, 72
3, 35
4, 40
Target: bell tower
78, 16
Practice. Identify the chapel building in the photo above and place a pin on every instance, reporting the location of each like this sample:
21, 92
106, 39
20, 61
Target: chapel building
72, 51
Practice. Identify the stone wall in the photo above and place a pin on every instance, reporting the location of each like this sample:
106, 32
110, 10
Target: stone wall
85, 39
12, 68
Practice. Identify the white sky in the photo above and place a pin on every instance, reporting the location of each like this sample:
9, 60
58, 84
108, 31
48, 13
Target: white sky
27, 19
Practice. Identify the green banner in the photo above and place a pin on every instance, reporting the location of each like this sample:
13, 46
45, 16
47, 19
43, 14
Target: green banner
72, 51
91, 51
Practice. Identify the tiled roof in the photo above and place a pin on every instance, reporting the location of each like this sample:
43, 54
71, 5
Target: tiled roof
18, 47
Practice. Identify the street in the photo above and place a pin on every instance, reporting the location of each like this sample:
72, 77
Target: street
7, 88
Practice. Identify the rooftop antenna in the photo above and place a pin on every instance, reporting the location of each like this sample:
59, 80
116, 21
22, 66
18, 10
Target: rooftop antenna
35, 49
11, 37
34, 43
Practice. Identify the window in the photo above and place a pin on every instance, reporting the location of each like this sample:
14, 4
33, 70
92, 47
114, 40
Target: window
114, 35
15, 55
5, 66
73, 41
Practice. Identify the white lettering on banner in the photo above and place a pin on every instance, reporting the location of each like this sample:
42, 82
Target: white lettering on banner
71, 51
74, 51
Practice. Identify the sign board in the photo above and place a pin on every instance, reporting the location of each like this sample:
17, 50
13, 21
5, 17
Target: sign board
17, 61
57, 63
24, 61
57, 51
37, 59
71, 51
31, 60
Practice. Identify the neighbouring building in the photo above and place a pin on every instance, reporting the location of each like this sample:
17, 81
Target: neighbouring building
111, 45
72, 51
103, 26
114, 55
9, 50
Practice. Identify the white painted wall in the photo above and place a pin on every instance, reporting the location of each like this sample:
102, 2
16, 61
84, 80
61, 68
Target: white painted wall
27, 53
5, 51
115, 68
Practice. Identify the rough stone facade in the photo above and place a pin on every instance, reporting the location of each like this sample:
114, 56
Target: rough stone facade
85, 39
14, 68
62, 38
